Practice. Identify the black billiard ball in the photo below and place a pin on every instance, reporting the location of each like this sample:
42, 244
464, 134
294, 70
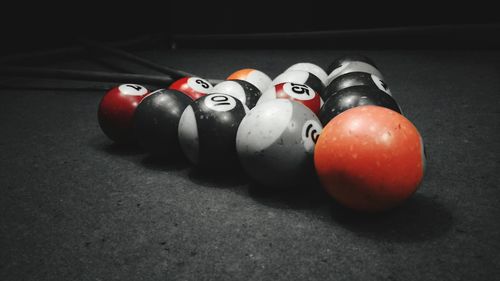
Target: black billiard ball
349, 58
353, 97
207, 131
354, 79
352, 63
156, 120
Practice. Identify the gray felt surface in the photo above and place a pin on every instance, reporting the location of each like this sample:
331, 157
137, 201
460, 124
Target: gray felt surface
73, 206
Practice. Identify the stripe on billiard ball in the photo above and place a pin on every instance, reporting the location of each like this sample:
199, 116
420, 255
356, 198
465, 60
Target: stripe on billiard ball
242, 90
311, 68
207, 130
348, 58
354, 79
256, 77
300, 77
354, 66
353, 97
300, 93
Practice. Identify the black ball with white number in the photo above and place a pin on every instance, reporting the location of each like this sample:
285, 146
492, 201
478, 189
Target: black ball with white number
354, 79
353, 97
156, 119
207, 131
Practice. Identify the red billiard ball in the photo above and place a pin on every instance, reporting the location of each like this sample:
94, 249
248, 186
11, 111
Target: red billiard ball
194, 87
116, 110
370, 158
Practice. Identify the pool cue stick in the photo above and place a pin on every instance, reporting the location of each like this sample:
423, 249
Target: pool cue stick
67, 74
63, 52
176, 74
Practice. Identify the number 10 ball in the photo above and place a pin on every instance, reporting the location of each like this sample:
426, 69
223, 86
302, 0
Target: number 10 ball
207, 131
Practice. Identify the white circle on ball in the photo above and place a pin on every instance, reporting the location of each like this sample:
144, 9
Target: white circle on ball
231, 88
299, 91
310, 134
220, 102
381, 84
132, 90
199, 84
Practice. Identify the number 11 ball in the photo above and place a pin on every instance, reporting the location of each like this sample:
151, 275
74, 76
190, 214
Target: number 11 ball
275, 143
370, 158
207, 131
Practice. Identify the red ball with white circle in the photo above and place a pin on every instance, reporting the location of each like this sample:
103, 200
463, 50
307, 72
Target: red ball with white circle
194, 87
296, 92
116, 110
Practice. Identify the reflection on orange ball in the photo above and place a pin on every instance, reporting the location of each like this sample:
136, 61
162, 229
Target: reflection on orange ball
370, 158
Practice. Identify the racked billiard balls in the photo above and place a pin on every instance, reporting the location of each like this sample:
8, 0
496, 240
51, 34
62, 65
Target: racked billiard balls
245, 91
275, 143
353, 97
256, 77
352, 63
370, 158
207, 131
156, 120
300, 93
311, 68
194, 87
354, 79
116, 110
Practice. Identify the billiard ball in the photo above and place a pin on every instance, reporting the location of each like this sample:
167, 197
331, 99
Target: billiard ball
300, 77
370, 158
349, 58
275, 143
298, 92
246, 92
116, 110
207, 131
311, 68
354, 79
194, 87
349, 64
353, 97
258, 78
156, 120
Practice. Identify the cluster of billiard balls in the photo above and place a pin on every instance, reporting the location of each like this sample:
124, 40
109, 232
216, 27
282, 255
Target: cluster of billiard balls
341, 125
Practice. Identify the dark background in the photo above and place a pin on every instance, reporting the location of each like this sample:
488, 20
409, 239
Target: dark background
29, 26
